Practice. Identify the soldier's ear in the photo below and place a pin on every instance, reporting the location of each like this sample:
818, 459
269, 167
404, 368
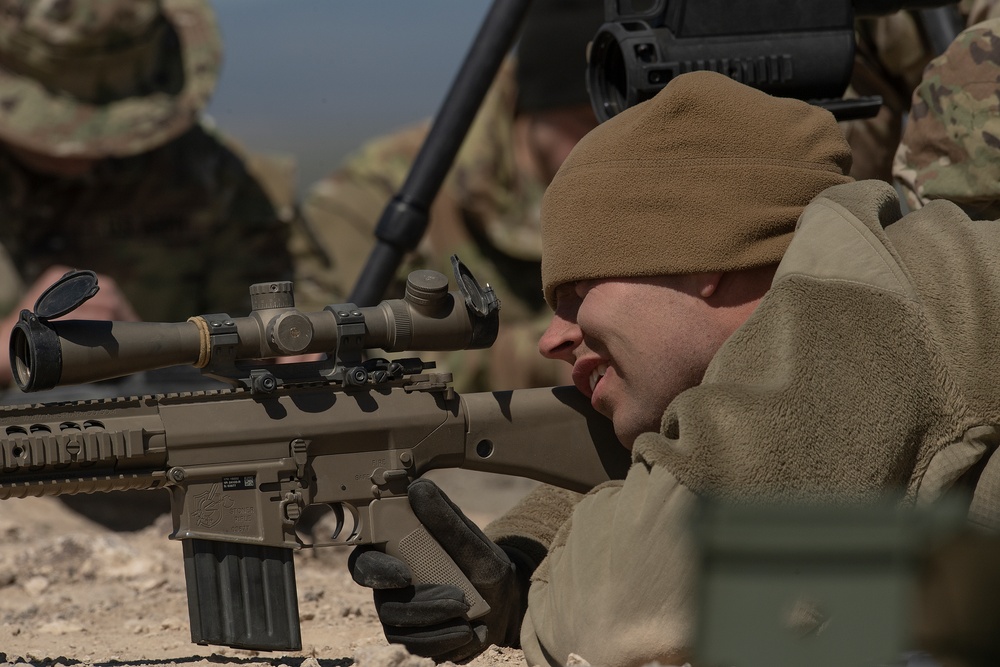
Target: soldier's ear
706, 283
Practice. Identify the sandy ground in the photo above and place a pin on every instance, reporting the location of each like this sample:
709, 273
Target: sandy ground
73, 592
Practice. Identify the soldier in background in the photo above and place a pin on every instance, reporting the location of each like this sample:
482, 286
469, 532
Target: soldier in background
892, 52
951, 145
104, 165
487, 210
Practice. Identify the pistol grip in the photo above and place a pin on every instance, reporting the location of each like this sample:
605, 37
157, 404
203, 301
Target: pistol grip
395, 524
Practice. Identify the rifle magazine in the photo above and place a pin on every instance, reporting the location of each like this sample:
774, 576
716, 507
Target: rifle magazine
242, 595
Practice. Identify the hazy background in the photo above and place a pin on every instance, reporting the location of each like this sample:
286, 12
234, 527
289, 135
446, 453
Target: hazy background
315, 78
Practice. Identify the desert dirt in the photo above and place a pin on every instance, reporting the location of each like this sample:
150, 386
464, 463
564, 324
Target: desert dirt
75, 592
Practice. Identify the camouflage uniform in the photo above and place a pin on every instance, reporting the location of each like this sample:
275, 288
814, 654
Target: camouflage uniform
891, 55
184, 229
951, 146
486, 212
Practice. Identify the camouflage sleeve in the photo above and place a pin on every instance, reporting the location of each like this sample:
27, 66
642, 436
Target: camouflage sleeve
332, 241
950, 144
891, 58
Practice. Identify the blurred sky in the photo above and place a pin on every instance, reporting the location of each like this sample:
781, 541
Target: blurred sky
315, 78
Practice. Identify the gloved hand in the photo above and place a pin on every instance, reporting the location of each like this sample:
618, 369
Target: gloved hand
428, 619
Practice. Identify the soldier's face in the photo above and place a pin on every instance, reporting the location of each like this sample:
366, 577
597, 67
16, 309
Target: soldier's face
553, 133
635, 344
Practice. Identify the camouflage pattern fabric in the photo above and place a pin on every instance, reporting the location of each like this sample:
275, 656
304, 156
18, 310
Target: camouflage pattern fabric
184, 229
100, 78
487, 213
891, 56
951, 146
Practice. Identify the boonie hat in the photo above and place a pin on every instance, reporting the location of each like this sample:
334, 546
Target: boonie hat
104, 78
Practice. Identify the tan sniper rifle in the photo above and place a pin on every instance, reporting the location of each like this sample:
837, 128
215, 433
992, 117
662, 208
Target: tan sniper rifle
242, 464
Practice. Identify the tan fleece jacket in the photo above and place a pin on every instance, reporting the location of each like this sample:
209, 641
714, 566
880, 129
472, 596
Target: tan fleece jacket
867, 368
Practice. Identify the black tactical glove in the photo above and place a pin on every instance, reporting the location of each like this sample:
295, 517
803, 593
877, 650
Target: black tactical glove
428, 619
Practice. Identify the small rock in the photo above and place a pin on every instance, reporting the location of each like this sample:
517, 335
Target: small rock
35, 585
171, 624
147, 585
60, 628
313, 596
135, 626
573, 660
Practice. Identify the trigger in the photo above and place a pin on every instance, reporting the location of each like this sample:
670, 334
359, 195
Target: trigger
338, 512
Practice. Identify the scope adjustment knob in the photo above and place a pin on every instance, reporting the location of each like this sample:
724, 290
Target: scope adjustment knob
277, 294
291, 332
427, 290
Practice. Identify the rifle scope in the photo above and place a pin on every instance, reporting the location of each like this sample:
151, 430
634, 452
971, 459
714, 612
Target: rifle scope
789, 48
46, 353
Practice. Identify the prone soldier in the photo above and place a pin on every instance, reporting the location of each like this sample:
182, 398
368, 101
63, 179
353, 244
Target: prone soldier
757, 326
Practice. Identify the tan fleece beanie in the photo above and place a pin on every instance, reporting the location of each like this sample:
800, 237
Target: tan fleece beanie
709, 175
